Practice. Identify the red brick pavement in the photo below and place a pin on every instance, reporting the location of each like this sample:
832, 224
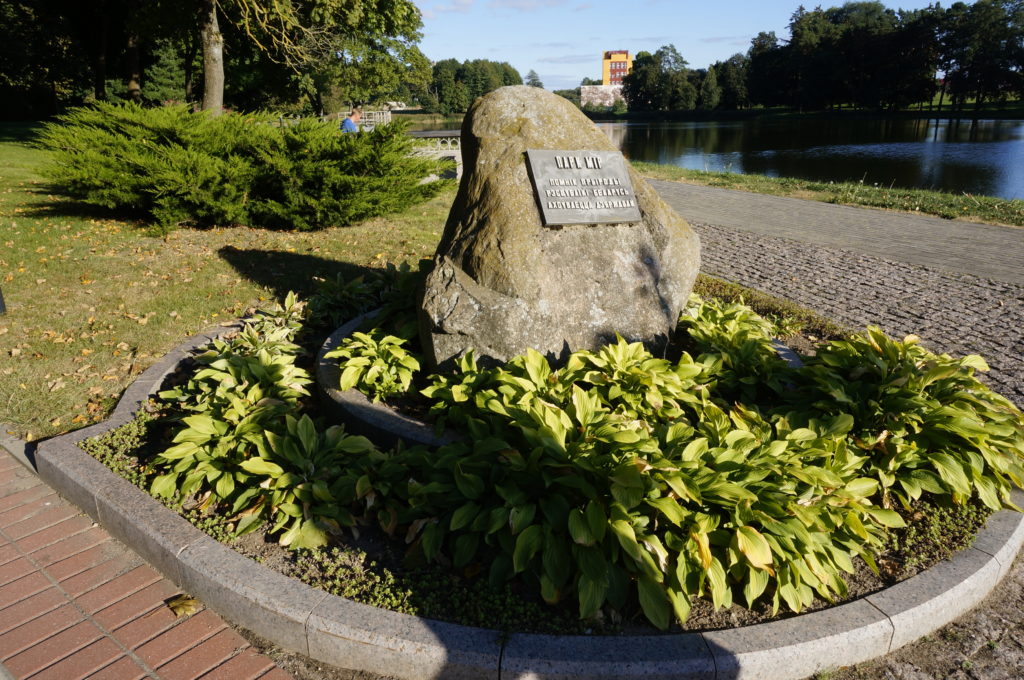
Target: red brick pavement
74, 603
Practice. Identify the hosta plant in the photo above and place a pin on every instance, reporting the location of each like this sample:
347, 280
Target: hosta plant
374, 363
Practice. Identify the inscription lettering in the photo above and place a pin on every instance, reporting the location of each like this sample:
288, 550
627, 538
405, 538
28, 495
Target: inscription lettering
578, 162
582, 187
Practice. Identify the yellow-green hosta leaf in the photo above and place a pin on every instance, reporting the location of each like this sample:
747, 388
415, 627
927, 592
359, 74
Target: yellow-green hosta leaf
653, 601
261, 467
669, 509
888, 518
757, 582
951, 472
753, 546
721, 596
862, 487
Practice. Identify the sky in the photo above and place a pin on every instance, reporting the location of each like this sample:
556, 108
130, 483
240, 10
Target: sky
563, 40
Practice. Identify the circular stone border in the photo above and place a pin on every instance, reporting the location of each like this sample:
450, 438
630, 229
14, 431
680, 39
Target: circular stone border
383, 425
355, 636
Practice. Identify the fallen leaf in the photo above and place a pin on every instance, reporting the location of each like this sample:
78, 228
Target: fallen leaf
183, 605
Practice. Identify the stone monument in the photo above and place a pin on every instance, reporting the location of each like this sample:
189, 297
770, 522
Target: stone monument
553, 242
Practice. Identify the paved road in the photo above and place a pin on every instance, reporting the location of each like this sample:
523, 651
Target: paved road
979, 249
959, 286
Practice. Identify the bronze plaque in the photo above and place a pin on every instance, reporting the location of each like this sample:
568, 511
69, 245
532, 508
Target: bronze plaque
582, 187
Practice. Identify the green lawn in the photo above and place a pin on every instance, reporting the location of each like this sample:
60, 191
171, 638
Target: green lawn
985, 209
92, 301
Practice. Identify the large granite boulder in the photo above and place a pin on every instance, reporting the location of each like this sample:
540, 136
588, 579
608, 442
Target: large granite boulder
503, 282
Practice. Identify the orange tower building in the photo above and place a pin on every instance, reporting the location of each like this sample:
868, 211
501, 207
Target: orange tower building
614, 66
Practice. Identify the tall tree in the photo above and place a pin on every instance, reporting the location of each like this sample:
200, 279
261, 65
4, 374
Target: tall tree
298, 33
659, 82
710, 92
532, 79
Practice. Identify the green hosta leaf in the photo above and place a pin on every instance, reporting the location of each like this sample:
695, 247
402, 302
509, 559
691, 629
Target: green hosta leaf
627, 539
591, 593
579, 530
432, 539
596, 520
527, 544
261, 467
680, 604
206, 425
556, 562
592, 563
465, 549
521, 516
653, 601
225, 485
463, 516
469, 485
351, 375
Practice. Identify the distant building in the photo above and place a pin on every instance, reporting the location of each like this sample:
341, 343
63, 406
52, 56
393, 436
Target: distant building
614, 66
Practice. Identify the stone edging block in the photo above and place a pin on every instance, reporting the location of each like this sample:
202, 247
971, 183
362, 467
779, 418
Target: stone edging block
363, 638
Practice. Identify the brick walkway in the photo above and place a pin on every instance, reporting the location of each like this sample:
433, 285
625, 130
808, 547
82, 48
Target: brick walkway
75, 603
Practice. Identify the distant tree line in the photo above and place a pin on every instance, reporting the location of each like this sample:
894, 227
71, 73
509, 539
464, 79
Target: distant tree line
454, 86
861, 55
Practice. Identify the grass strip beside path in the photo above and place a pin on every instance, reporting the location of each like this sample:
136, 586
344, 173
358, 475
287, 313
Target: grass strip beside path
987, 209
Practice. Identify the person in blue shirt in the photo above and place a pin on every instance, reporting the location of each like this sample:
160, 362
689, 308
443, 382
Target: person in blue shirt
351, 122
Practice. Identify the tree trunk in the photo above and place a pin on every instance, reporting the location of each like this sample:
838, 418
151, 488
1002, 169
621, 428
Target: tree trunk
134, 69
213, 58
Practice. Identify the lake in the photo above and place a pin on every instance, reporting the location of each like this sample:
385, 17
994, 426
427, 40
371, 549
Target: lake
986, 158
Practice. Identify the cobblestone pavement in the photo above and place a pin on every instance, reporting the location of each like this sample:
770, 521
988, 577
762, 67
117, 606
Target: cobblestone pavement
952, 312
983, 250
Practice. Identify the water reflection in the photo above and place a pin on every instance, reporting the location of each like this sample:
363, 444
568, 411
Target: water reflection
986, 157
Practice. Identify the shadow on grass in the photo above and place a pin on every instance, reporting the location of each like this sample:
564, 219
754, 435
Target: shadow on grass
282, 272
22, 131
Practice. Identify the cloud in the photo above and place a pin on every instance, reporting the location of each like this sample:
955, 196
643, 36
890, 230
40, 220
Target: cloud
525, 5
452, 6
570, 59
732, 39
660, 39
553, 45
583, 6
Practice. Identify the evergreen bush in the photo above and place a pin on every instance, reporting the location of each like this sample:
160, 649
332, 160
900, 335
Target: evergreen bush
176, 167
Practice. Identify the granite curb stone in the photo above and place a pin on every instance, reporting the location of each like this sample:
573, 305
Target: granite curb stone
365, 638
355, 636
567, 657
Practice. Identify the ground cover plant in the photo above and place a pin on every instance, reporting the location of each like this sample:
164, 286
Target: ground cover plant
175, 167
950, 206
622, 482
